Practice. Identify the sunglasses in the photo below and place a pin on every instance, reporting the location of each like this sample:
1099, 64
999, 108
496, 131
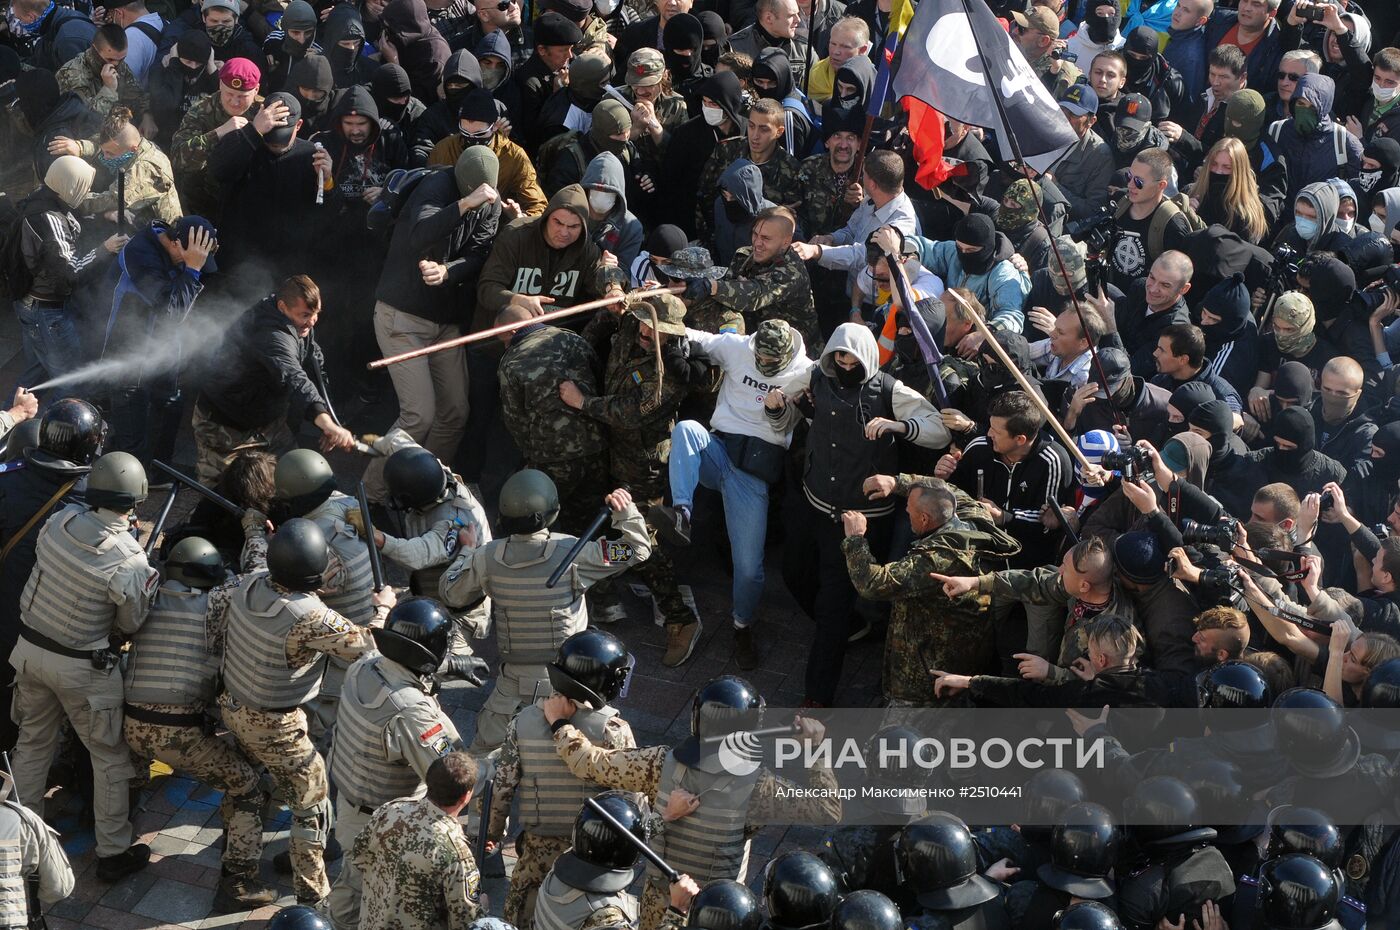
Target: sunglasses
1287, 76
1136, 181
504, 5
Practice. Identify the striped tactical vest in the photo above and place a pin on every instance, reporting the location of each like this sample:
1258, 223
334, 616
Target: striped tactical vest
256, 670
710, 843
172, 660
66, 597
560, 907
550, 795
531, 620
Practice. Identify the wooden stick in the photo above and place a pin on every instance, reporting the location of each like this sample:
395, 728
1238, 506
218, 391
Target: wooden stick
1020, 377
511, 327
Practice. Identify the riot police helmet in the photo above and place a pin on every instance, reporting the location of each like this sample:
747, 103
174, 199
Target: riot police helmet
866, 910
415, 635
1083, 849
598, 842
193, 561
800, 891
1297, 892
1163, 811
936, 858
1306, 830
724, 904
529, 502
1312, 733
22, 438
1048, 794
117, 482
304, 481
1087, 915
297, 555
72, 430
415, 478
298, 917
592, 667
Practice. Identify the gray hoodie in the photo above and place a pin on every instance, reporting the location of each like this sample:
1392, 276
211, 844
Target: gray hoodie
1322, 197
619, 232
743, 180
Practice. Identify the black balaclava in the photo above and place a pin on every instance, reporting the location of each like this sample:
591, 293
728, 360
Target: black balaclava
1214, 417
1187, 397
312, 71
683, 31
1331, 286
1228, 300
995, 377
193, 45
1386, 151
773, 65
1143, 41
1102, 29
1295, 425
1388, 438
715, 31
859, 72
979, 230
390, 80
1293, 383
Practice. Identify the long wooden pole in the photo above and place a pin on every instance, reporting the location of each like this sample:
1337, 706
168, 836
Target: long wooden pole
511, 327
1020, 377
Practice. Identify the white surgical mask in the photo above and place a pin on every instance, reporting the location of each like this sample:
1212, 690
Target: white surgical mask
601, 201
605, 7
1383, 94
1376, 224
713, 115
1344, 225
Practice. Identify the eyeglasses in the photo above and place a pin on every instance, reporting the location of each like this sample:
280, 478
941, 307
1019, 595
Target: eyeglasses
1288, 76
1136, 181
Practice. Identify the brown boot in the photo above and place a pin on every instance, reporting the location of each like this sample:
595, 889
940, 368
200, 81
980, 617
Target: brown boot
680, 642
240, 890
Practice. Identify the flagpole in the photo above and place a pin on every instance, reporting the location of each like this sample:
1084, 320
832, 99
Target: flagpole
1040, 205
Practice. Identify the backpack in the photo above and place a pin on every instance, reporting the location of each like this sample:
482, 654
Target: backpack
149, 31
1339, 140
1180, 205
399, 186
550, 149
15, 277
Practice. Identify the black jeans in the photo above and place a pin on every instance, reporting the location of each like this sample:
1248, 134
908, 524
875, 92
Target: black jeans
146, 418
814, 570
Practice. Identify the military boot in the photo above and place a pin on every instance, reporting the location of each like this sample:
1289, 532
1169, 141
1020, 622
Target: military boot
680, 642
241, 890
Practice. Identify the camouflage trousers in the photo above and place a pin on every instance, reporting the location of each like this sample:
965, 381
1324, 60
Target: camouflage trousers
535, 857
657, 572
582, 484
344, 903
219, 765
280, 743
655, 899
216, 444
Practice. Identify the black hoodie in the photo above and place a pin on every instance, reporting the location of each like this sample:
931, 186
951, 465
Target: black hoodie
690, 148
440, 119
347, 67
356, 168
423, 52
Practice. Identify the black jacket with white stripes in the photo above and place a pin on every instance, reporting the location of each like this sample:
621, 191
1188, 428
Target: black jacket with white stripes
1020, 490
49, 244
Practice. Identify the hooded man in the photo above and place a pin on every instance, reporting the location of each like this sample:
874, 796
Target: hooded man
493, 57
343, 35
1231, 334
772, 80
312, 82
421, 49
101, 77
1380, 171
1293, 458
177, 82
858, 415
518, 185
570, 109
1098, 32
683, 48
1313, 146
57, 33
1244, 119
394, 96
461, 76
1314, 226
426, 294
740, 199
609, 130
610, 225
219, 19
1230, 478
205, 124
293, 40
1150, 75
720, 119
979, 259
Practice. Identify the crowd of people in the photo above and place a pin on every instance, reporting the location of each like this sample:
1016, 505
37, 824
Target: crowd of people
1121, 432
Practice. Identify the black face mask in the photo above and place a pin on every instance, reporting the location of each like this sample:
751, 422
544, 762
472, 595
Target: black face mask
393, 112
735, 212
293, 47
1139, 71
313, 110
187, 72
454, 94
709, 56
979, 262
1101, 28
850, 377
341, 59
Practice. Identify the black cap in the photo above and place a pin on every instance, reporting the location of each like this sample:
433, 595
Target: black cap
282, 135
1141, 41
551, 29
1134, 112
1116, 367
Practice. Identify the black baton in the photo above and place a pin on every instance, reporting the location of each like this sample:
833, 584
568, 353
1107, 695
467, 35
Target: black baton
210, 495
579, 543
651, 855
160, 520
376, 567
788, 730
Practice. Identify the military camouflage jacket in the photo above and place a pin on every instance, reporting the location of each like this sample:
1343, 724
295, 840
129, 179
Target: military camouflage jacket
545, 429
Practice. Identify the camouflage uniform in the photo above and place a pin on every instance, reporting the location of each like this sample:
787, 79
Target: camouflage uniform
595, 36
569, 447
779, 290
278, 739
823, 209
417, 869
216, 445
671, 111
1068, 75
149, 189
640, 770
535, 854
927, 630
83, 76
639, 428
189, 153
781, 180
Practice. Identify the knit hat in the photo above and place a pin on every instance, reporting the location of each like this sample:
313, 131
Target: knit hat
478, 106
70, 178
1094, 444
588, 75
1229, 300
299, 15
240, 74
610, 118
1293, 382
552, 30
576, 11
477, 165
1215, 417
1244, 116
390, 80
665, 240
313, 71
645, 68
1295, 425
1295, 309
976, 229
1139, 557
1189, 396
194, 45
232, 5
282, 135
1174, 455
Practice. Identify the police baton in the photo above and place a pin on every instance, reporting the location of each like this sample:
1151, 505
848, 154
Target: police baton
789, 730
31, 882
212, 496
376, 567
160, 520
585, 539
651, 855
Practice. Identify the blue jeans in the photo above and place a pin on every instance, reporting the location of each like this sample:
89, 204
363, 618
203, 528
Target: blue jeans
49, 339
698, 457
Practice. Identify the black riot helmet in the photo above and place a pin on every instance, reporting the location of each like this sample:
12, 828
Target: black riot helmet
415, 635
937, 858
592, 667
724, 705
529, 502
72, 430
800, 891
1297, 892
21, 439
1219, 786
195, 562
304, 481
597, 842
297, 555
1311, 731
1083, 848
724, 904
416, 479
298, 917
1163, 811
1382, 687
1048, 794
1304, 830
1232, 685
866, 910
117, 482
1087, 915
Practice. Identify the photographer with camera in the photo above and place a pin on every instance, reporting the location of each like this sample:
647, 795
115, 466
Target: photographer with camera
1377, 570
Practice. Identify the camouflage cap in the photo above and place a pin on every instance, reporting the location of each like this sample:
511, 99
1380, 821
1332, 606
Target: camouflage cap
775, 339
645, 68
690, 263
1073, 257
663, 312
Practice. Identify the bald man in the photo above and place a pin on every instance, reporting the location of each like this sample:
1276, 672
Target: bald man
1151, 305
149, 186
571, 449
1344, 430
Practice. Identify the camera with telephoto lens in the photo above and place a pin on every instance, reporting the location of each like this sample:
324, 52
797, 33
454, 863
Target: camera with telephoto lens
1390, 281
1221, 535
1095, 230
1312, 12
1287, 257
1130, 462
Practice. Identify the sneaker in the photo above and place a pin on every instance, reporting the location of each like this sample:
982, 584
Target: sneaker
609, 613
680, 642
239, 891
671, 523
745, 652
861, 633
282, 862
111, 868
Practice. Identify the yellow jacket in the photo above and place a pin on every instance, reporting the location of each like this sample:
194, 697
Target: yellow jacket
517, 179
